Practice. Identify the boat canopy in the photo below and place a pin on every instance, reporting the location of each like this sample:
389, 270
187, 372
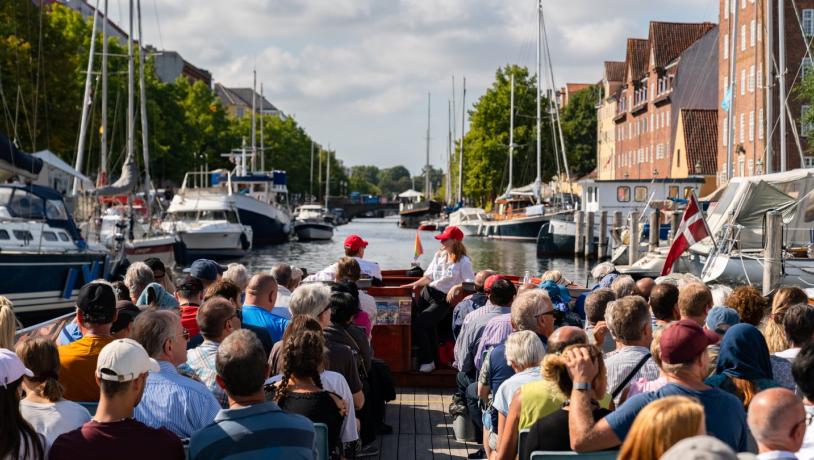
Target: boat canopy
411, 194
36, 202
14, 161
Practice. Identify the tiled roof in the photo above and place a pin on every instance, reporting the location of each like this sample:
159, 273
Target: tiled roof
669, 39
636, 58
615, 70
242, 96
700, 136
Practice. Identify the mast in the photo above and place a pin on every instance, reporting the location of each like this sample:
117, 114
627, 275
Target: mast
83, 127
130, 89
145, 132
511, 137
554, 102
254, 118
102, 179
448, 189
328, 176
311, 177
769, 81
781, 45
537, 180
319, 171
730, 135
427, 165
243, 158
262, 134
461, 158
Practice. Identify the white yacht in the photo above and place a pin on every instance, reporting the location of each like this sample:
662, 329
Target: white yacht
469, 220
312, 223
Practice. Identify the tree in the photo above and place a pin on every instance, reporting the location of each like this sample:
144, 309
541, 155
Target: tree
395, 180
579, 130
364, 179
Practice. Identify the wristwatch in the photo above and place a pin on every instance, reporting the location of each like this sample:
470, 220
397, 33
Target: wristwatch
582, 386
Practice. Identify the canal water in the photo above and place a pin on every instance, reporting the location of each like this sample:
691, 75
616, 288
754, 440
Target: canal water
392, 247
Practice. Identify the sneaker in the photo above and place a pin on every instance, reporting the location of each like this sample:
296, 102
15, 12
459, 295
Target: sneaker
427, 368
477, 455
367, 451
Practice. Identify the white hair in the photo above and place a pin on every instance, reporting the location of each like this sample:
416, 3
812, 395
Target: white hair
310, 299
137, 277
602, 270
524, 349
238, 274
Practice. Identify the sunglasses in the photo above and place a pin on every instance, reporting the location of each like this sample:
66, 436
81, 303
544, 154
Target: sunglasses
558, 315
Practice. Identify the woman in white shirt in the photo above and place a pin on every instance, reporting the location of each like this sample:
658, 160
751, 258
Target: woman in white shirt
449, 268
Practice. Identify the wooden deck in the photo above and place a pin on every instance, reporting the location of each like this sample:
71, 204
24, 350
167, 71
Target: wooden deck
422, 428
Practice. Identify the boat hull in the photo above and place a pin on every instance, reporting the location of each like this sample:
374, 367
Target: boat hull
519, 229
266, 229
161, 247
552, 243
212, 245
313, 231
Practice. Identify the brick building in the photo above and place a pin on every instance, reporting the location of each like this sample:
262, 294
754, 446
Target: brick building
695, 147
673, 69
753, 82
612, 80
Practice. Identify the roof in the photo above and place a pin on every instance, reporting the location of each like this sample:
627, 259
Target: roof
669, 39
615, 70
410, 194
700, 135
243, 96
50, 158
636, 58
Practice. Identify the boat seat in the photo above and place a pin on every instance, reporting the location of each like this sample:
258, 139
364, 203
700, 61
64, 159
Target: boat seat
551, 455
321, 440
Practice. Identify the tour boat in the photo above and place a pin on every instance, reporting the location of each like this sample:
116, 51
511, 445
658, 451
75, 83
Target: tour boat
312, 223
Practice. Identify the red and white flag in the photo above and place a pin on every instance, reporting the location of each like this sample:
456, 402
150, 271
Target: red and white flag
693, 228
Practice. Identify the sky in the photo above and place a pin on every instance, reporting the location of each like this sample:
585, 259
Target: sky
356, 73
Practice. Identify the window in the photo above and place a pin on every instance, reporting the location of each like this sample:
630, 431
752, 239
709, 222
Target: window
678, 158
752, 126
725, 137
743, 82
759, 32
672, 191
4, 235
742, 128
759, 78
660, 151
805, 125
726, 46
55, 210
63, 236
743, 37
741, 166
623, 194
760, 124
808, 22
25, 205
752, 78
808, 162
805, 67
652, 120
49, 236
751, 166
641, 156
640, 193
23, 235
743, 4
726, 9
752, 33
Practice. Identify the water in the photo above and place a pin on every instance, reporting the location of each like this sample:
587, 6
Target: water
392, 247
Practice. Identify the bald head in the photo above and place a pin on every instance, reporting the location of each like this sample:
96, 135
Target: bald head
777, 420
645, 285
480, 278
564, 336
262, 291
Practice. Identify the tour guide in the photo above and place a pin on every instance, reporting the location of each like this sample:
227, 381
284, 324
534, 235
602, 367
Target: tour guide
449, 268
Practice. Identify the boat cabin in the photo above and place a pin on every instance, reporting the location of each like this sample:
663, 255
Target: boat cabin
634, 194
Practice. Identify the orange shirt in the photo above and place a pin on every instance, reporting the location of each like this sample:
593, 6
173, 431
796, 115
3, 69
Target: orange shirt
78, 367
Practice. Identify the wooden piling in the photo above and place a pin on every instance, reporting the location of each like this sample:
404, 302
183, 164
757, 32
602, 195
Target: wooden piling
773, 255
633, 246
602, 251
675, 221
655, 229
617, 229
579, 219
590, 247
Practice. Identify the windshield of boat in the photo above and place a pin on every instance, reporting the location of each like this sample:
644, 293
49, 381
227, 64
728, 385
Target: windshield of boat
216, 214
22, 204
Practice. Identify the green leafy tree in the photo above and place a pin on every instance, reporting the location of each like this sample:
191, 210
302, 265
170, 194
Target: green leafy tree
395, 180
364, 179
579, 130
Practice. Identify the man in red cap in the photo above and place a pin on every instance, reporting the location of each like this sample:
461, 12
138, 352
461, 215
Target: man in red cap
684, 361
354, 247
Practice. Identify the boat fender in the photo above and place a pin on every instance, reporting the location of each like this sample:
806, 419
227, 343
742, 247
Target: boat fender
244, 242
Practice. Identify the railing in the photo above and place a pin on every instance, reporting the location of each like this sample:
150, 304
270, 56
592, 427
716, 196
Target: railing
202, 180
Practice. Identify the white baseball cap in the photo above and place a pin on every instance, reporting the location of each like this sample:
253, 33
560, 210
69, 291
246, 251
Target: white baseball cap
123, 360
11, 367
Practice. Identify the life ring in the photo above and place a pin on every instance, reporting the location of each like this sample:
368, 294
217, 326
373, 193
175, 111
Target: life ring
244, 242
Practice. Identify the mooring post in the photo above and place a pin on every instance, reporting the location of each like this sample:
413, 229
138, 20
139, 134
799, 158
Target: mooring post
616, 230
773, 258
590, 248
655, 229
602, 251
579, 219
633, 247
675, 221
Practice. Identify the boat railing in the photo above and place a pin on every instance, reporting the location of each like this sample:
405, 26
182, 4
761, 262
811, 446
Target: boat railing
202, 180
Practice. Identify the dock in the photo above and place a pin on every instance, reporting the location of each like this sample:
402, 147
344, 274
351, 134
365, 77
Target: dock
422, 427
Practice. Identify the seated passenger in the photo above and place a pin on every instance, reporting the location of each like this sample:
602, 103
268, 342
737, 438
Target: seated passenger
354, 247
261, 296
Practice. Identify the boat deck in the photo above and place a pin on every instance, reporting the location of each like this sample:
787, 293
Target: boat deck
422, 427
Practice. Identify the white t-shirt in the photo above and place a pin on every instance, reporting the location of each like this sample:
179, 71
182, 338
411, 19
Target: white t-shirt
54, 419
446, 274
504, 393
335, 382
368, 305
367, 267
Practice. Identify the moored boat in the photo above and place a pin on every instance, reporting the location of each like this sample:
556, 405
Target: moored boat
312, 223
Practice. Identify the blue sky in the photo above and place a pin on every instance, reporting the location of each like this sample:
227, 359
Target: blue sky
356, 73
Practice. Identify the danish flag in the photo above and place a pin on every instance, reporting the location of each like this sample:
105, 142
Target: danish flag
693, 228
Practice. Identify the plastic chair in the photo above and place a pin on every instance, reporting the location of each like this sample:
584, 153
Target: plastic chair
522, 438
321, 440
90, 406
548, 455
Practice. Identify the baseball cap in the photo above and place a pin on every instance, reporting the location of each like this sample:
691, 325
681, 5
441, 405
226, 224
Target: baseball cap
355, 242
682, 341
123, 360
127, 313
721, 315
189, 284
155, 264
702, 448
487, 286
11, 367
451, 232
97, 302
205, 269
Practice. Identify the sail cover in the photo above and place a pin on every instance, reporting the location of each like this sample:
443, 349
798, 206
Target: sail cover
125, 184
14, 161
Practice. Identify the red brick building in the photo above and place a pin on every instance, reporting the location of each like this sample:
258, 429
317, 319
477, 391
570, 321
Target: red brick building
751, 124
674, 68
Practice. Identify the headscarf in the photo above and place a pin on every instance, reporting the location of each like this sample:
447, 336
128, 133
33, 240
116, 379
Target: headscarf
608, 279
159, 296
744, 354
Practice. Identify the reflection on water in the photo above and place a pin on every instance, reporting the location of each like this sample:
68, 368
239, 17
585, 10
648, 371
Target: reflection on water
392, 247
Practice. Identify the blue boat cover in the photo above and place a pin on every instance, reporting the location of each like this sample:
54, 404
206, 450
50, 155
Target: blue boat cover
17, 158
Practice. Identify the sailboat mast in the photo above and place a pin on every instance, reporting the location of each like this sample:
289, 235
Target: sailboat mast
262, 135
328, 177
555, 102
781, 61
539, 78
83, 127
448, 189
427, 165
769, 81
311, 176
145, 132
130, 88
511, 137
730, 134
461, 158
254, 118
102, 179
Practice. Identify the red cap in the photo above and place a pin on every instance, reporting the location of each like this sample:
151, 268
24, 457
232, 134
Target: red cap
451, 232
682, 341
355, 242
487, 286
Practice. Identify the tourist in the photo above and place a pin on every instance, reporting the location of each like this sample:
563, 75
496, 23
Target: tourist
603, 274
683, 354
803, 371
743, 367
347, 270
645, 287
18, 439
643, 385
778, 422
660, 425
160, 274
798, 330
8, 323
230, 291
624, 286
95, 313
450, 267
471, 303
238, 274
296, 278
190, 295
300, 390
208, 271
596, 304
550, 432
719, 320
331, 381
217, 319
121, 374
261, 296
126, 312
354, 247
155, 297
137, 277
170, 400
121, 290
703, 448
694, 302
664, 304
629, 321
44, 405
749, 303
524, 352
501, 295
773, 330
282, 274
344, 306
250, 427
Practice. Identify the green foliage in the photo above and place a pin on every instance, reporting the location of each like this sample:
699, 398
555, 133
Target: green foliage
364, 179
579, 130
394, 180
805, 93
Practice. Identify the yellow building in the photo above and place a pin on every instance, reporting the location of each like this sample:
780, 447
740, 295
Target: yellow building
612, 78
695, 149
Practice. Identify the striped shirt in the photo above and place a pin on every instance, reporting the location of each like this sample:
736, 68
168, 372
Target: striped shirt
622, 361
495, 333
175, 402
257, 431
467, 342
201, 360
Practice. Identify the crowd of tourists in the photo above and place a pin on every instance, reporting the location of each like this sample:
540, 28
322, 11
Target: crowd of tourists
243, 365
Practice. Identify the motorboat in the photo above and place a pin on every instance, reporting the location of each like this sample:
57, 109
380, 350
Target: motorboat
469, 220
311, 223
131, 231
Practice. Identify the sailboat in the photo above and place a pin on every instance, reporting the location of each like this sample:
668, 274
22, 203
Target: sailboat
312, 221
415, 208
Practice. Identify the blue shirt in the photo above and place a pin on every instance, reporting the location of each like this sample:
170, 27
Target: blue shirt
258, 431
259, 317
201, 361
175, 402
724, 414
